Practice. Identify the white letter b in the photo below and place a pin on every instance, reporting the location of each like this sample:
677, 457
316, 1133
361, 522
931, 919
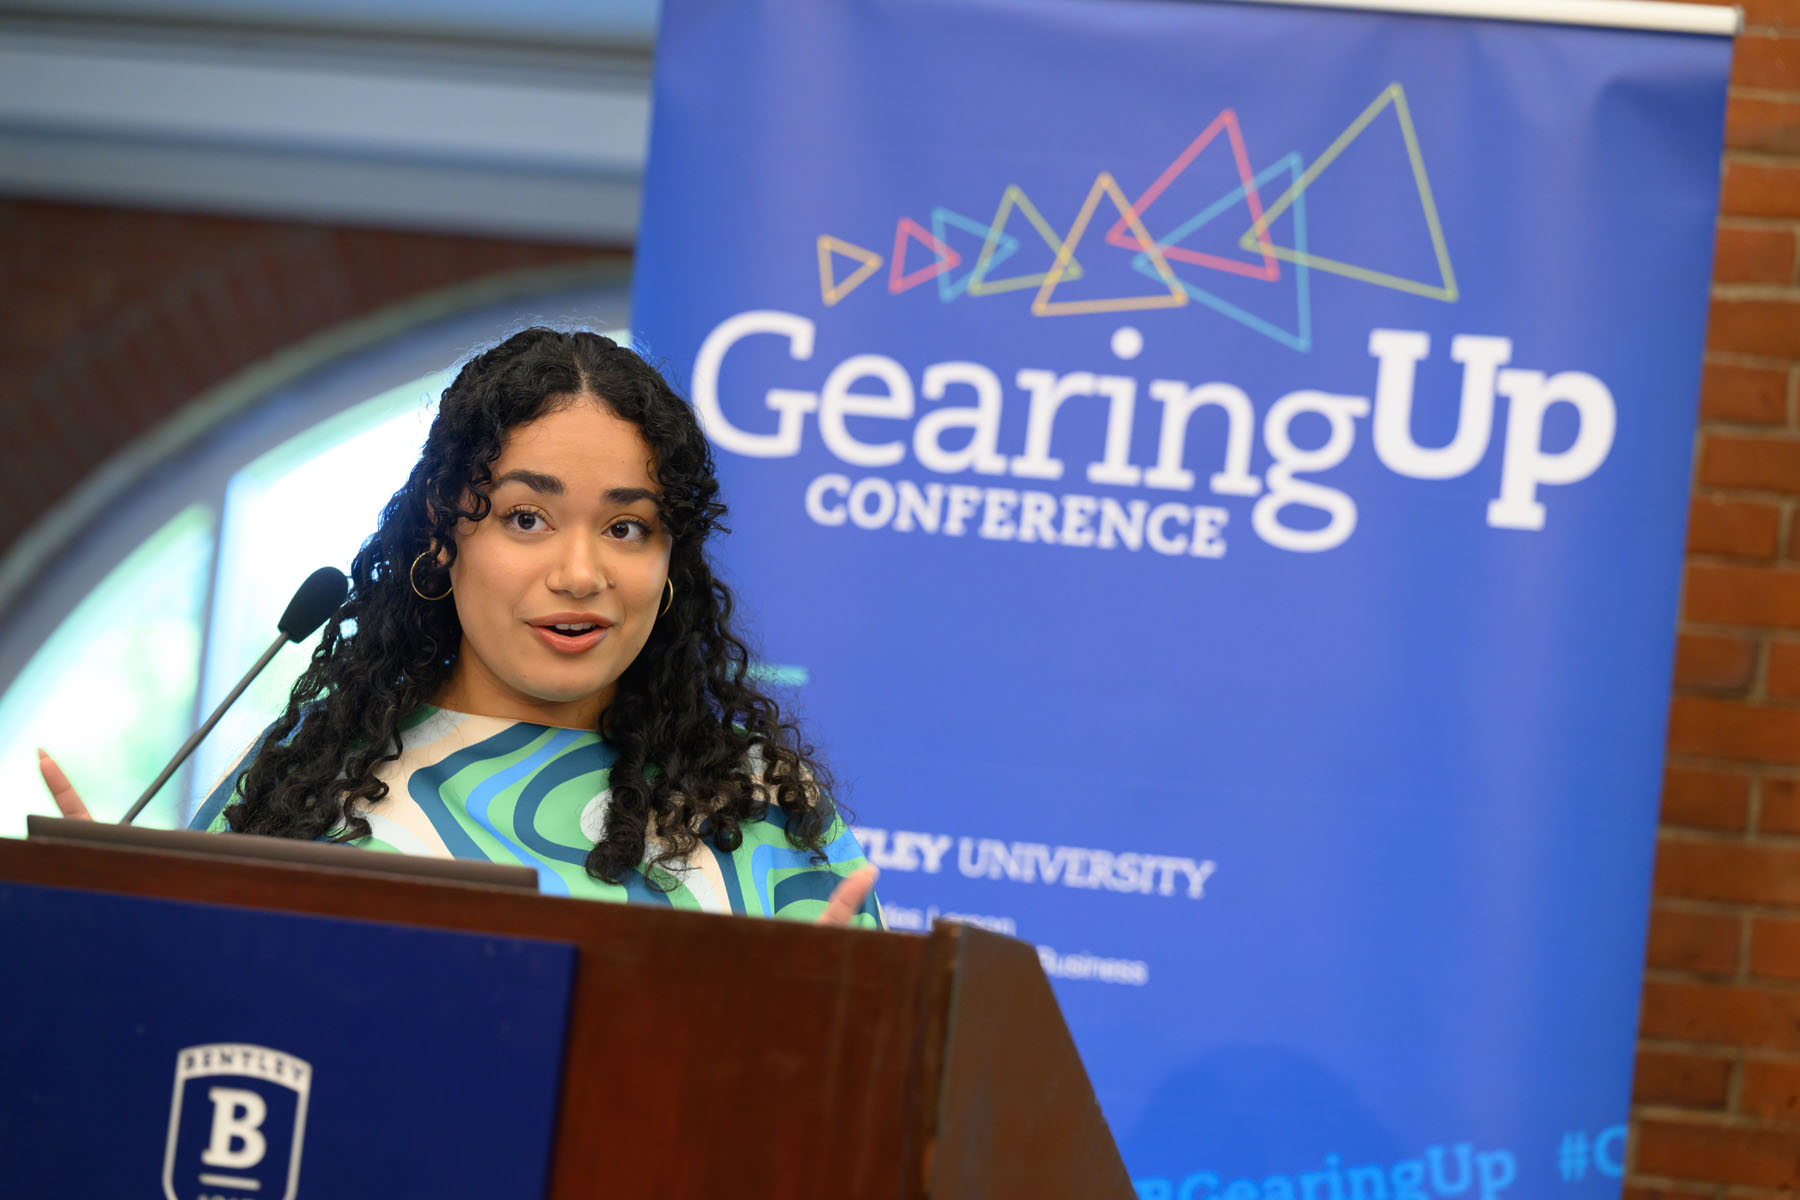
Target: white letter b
237, 1118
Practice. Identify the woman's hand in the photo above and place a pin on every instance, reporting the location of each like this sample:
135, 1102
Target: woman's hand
844, 904
70, 805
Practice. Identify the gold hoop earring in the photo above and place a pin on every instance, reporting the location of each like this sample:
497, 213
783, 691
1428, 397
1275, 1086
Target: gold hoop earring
412, 577
670, 602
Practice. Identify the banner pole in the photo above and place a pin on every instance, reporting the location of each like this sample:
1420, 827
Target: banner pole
1654, 15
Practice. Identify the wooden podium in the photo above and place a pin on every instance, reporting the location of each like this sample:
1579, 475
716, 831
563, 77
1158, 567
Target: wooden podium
736, 1057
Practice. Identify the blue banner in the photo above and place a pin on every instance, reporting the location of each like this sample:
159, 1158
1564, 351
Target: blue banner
1214, 478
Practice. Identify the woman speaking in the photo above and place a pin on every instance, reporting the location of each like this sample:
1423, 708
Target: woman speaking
536, 664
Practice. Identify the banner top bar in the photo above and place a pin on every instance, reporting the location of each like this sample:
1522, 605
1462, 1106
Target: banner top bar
1723, 20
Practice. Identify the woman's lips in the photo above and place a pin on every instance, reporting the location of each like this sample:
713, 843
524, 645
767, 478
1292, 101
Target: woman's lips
566, 643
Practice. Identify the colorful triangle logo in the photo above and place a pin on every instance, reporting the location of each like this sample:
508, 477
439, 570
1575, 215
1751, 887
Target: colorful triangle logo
1014, 198
911, 229
950, 288
831, 289
1043, 306
1300, 336
1445, 288
1268, 270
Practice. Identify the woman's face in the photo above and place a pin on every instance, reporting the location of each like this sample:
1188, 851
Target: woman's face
558, 587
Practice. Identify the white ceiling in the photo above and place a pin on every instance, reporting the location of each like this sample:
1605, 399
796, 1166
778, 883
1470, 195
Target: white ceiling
617, 21
530, 122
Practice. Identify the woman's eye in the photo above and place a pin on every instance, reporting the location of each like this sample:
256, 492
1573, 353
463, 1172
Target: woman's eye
628, 531
524, 520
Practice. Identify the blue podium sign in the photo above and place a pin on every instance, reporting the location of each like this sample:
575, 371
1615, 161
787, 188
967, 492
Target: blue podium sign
208, 1053
1215, 474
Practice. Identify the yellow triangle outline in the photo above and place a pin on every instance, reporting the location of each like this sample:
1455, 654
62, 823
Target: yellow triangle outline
1256, 237
1104, 184
1013, 197
831, 293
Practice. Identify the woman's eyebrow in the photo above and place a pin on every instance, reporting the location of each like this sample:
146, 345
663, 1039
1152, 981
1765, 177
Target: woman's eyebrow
537, 481
550, 485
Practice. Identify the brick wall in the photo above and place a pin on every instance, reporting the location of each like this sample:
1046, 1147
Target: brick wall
116, 317
1717, 1094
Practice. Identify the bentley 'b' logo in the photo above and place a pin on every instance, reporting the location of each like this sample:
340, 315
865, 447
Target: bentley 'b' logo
236, 1125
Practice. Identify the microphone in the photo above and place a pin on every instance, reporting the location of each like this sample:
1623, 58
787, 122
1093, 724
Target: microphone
314, 601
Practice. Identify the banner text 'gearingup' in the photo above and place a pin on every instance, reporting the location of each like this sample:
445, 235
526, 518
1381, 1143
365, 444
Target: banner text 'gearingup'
877, 387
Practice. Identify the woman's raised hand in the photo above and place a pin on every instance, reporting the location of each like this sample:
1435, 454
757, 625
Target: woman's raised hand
845, 902
63, 792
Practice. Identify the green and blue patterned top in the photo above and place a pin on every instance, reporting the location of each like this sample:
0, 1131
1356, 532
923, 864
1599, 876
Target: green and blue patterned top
514, 792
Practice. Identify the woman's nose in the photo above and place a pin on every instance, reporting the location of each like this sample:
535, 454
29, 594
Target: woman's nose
579, 570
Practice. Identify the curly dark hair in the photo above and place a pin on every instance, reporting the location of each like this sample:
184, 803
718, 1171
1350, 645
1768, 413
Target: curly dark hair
700, 748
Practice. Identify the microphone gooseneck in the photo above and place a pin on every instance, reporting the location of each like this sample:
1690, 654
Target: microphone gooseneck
314, 601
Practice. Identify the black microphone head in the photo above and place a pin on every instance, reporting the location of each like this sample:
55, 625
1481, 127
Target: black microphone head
315, 600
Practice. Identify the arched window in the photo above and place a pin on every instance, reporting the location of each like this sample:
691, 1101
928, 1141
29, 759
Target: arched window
147, 616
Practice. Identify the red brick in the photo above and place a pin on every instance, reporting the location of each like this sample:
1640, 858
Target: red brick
286, 314
1738, 528
1733, 872
253, 307
1706, 943
1779, 812
1745, 395
151, 368
1660, 1192
1705, 798
1761, 326
1775, 948
1753, 254
1748, 1157
1770, 1090
135, 406
1763, 461
1706, 662
1783, 679
1688, 1080
1710, 728
1760, 189
1766, 60
1762, 124
1720, 1014
206, 352
1733, 594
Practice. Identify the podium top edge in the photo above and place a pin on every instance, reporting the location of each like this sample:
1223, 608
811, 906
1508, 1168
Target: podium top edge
256, 850
1652, 15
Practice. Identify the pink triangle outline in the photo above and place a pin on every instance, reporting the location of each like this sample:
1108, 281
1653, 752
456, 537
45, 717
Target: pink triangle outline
947, 260
1270, 270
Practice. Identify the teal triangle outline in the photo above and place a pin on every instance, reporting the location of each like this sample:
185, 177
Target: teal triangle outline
1004, 246
1300, 338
